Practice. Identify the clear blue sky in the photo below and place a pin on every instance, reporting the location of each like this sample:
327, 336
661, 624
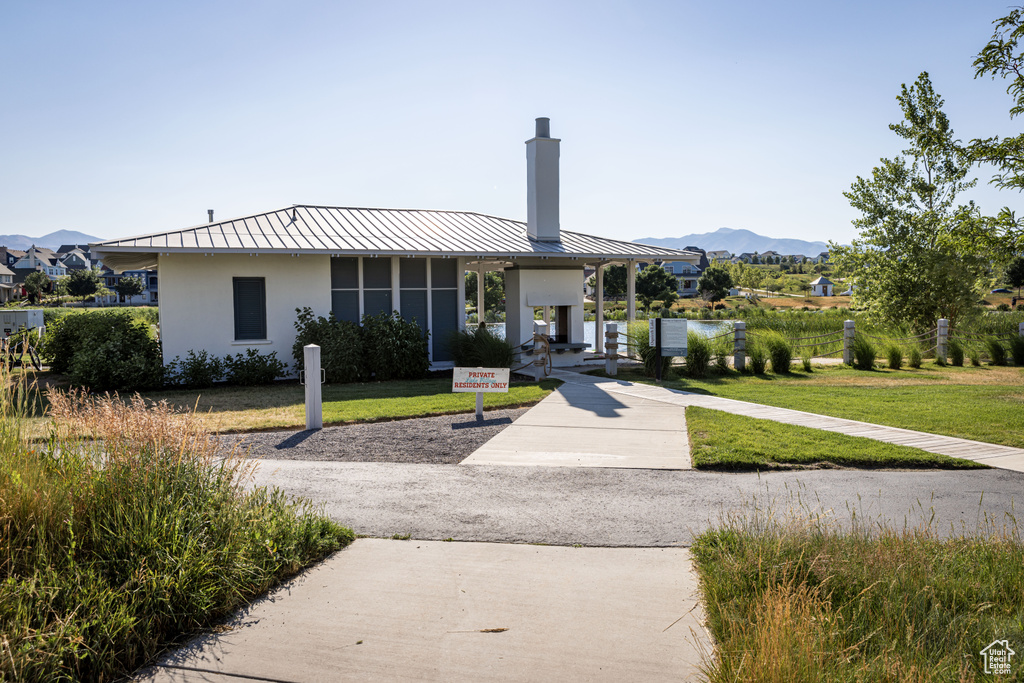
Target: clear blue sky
120, 118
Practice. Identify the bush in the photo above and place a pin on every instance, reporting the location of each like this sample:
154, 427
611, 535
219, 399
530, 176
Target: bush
863, 353
197, 371
639, 339
780, 351
1017, 350
341, 347
894, 354
914, 357
975, 357
758, 357
393, 348
698, 355
996, 352
480, 348
956, 354
104, 351
253, 368
1003, 307
806, 361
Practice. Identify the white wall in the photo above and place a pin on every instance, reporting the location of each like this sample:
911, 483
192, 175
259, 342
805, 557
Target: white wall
197, 300
527, 287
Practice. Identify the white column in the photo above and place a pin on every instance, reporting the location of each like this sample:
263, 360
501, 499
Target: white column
396, 304
849, 332
314, 395
612, 360
630, 291
480, 295
942, 341
599, 309
739, 346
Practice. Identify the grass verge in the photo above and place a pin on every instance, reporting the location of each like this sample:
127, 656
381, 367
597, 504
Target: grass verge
108, 554
810, 602
723, 441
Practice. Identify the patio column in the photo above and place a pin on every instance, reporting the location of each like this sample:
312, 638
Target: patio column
480, 295
599, 308
630, 291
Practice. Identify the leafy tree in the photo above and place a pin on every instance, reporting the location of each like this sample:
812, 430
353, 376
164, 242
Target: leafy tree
912, 262
130, 286
37, 284
614, 282
83, 283
656, 283
714, 284
494, 289
1015, 273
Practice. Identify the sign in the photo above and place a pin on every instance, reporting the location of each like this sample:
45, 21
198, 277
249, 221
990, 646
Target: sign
481, 380
673, 335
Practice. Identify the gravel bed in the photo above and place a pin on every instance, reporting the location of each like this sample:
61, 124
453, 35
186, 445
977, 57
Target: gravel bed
446, 439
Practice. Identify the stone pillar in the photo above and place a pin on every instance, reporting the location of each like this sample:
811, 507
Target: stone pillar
314, 393
849, 332
942, 339
599, 309
739, 346
611, 361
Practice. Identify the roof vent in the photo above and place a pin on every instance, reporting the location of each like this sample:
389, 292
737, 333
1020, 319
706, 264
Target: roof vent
209, 212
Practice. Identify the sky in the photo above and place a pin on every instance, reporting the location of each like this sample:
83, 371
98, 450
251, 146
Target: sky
125, 118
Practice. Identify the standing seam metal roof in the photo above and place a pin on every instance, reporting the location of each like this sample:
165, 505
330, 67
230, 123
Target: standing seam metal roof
326, 229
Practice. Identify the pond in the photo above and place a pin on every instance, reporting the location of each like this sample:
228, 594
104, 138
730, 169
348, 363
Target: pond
707, 328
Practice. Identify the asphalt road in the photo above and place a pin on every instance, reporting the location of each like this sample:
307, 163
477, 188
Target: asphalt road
634, 508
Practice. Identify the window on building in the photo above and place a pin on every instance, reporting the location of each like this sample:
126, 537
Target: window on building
250, 307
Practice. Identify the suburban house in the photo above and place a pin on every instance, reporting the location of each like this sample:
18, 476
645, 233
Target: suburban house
719, 255
821, 286
45, 260
769, 257
111, 279
686, 275
8, 290
820, 258
234, 284
745, 257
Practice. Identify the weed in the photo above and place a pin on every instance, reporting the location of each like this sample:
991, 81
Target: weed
401, 537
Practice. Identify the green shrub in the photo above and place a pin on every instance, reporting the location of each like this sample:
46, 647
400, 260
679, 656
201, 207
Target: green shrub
698, 355
914, 357
863, 353
758, 357
996, 352
894, 354
197, 371
480, 348
975, 357
104, 351
806, 360
393, 348
780, 351
1003, 307
639, 339
341, 346
956, 354
253, 368
1017, 350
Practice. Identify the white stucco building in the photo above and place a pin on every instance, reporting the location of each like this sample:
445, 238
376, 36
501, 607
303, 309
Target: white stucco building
822, 286
233, 284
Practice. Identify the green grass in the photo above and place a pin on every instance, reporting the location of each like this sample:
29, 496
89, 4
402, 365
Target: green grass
106, 562
724, 441
805, 601
983, 404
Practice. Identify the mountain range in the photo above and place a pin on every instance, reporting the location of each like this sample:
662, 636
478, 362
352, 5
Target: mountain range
737, 242
52, 241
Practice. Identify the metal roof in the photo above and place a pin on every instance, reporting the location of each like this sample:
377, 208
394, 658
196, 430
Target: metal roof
340, 230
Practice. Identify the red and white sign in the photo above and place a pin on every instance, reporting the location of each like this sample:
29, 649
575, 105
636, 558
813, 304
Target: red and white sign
483, 380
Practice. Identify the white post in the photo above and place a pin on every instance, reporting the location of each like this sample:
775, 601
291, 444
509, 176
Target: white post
480, 295
599, 309
739, 346
539, 357
479, 405
611, 361
849, 332
314, 393
942, 339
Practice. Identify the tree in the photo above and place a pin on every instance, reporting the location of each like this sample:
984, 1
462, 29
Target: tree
130, 286
913, 264
655, 283
83, 283
714, 284
37, 284
1015, 273
494, 289
613, 283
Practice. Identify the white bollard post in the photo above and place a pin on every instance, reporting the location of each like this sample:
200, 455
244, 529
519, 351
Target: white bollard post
611, 345
942, 340
849, 332
314, 392
539, 357
739, 346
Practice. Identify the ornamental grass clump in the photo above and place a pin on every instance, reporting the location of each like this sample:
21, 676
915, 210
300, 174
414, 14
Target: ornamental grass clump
639, 341
996, 352
914, 357
698, 355
758, 357
863, 353
127, 530
780, 351
480, 348
1017, 350
894, 355
956, 354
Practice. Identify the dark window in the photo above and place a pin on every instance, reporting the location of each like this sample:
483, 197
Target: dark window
414, 306
444, 304
344, 273
413, 273
345, 304
376, 301
376, 273
250, 308
443, 273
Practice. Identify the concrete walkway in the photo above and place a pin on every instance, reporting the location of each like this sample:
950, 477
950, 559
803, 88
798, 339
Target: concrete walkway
1004, 457
432, 611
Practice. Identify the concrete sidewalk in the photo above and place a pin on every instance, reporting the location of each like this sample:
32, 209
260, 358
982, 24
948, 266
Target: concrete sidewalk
580, 425
432, 611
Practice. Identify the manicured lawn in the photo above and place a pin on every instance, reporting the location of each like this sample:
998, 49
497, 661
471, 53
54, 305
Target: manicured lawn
811, 603
282, 405
721, 440
983, 404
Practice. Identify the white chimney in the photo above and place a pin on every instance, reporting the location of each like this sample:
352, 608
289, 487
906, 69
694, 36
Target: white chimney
542, 185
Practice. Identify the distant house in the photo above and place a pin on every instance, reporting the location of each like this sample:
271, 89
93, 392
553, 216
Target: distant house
148, 296
745, 257
45, 260
8, 257
719, 255
797, 258
821, 258
769, 256
8, 290
686, 276
822, 286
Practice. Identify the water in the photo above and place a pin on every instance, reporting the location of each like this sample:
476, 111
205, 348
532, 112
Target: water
707, 328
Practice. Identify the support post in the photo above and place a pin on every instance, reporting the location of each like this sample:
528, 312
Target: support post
480, 312
479, 405
630, 297
314, 393
599, 308
611, 361
539, 356
739, 346
942, 339
849, 332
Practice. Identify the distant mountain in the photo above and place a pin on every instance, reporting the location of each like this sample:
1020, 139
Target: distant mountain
52, 241
737, 242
